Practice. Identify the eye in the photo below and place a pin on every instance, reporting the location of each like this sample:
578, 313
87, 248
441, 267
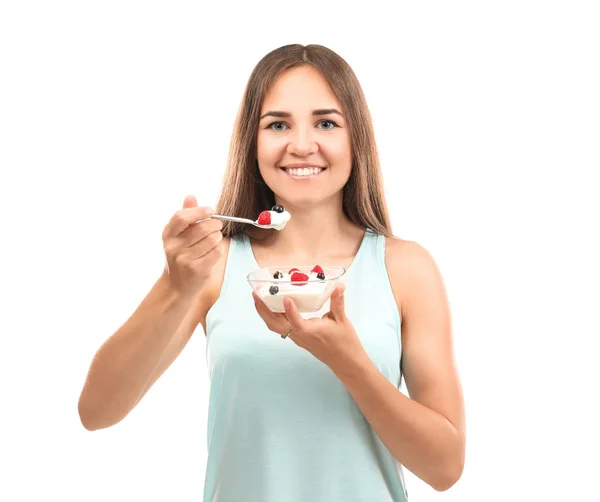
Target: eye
330, 122
275, 126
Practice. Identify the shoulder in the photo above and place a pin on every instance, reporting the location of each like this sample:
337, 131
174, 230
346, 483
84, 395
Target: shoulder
403, 256
412, 270
210, 293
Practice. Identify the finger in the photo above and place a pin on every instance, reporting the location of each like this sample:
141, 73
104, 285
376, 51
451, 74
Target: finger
337, 306
190, 201
210, 259
275, 322
296, 320
205, 245
204, 264
184, 218
194, 234
198, 231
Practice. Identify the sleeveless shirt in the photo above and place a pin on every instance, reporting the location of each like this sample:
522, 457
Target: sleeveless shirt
281, 426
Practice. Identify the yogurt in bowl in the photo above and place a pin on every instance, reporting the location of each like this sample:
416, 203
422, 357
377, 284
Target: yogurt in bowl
309, 286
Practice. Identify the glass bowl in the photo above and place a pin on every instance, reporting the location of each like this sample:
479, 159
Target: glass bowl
309, 294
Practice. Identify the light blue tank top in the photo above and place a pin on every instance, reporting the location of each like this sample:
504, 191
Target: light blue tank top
281, 426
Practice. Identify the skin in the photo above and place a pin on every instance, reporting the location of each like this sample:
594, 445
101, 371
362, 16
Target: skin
131, 360
321, 140
425, 431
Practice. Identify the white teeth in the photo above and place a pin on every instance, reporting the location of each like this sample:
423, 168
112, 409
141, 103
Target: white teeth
306, 171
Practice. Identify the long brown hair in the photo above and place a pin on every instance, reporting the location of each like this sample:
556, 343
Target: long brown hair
244, 191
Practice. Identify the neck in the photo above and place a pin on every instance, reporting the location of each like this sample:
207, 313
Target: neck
314, 230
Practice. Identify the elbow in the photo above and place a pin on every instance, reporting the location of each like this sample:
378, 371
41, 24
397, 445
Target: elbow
447, 477
446, 482
89, 426
451, 469
86, 417
87, 422
92, 419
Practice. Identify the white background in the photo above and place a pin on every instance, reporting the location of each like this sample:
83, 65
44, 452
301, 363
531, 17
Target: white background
487, 121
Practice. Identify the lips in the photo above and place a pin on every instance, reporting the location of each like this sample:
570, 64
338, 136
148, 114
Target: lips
304, 171
301, 170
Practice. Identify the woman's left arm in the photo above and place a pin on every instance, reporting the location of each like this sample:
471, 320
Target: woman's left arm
425, 432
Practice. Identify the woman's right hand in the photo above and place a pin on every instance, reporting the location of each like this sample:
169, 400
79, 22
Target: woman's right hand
191, 249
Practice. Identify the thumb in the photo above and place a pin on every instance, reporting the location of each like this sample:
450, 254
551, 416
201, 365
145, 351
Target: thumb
337, 307
190, 201
291, 311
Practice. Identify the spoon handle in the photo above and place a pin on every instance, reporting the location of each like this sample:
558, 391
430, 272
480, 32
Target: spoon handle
232, 218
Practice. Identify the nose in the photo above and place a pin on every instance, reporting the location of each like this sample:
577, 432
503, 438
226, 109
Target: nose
302, 143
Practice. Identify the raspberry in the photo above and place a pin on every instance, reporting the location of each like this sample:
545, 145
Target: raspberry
264, 218
317, 269
298, 278
292, 270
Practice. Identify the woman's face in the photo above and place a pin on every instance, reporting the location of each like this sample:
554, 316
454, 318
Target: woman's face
303, 146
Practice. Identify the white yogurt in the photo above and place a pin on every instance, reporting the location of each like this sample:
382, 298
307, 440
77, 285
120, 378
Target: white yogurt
278, 220
308, 297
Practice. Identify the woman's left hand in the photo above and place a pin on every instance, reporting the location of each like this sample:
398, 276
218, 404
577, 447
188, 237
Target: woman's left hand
331, 338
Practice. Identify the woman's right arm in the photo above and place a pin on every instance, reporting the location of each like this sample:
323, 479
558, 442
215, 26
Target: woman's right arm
124, 365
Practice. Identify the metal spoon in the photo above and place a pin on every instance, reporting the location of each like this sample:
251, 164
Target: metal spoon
238, 220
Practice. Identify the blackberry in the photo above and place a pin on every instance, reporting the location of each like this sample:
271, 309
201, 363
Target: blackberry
273, 290
278, 275
278, 209
321, 276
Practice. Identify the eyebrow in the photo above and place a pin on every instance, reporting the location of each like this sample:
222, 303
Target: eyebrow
321, 111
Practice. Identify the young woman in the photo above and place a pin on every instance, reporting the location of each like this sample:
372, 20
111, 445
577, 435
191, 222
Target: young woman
300, 409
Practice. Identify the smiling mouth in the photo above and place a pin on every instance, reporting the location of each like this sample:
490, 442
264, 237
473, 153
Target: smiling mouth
303, 172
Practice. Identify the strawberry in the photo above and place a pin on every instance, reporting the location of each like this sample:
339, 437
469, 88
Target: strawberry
298, 278
292, 270
317, 269
264, 218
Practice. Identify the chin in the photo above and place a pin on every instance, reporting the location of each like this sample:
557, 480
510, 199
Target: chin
305, 201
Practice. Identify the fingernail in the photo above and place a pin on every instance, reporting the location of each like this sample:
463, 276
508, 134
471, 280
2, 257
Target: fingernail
210, 210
